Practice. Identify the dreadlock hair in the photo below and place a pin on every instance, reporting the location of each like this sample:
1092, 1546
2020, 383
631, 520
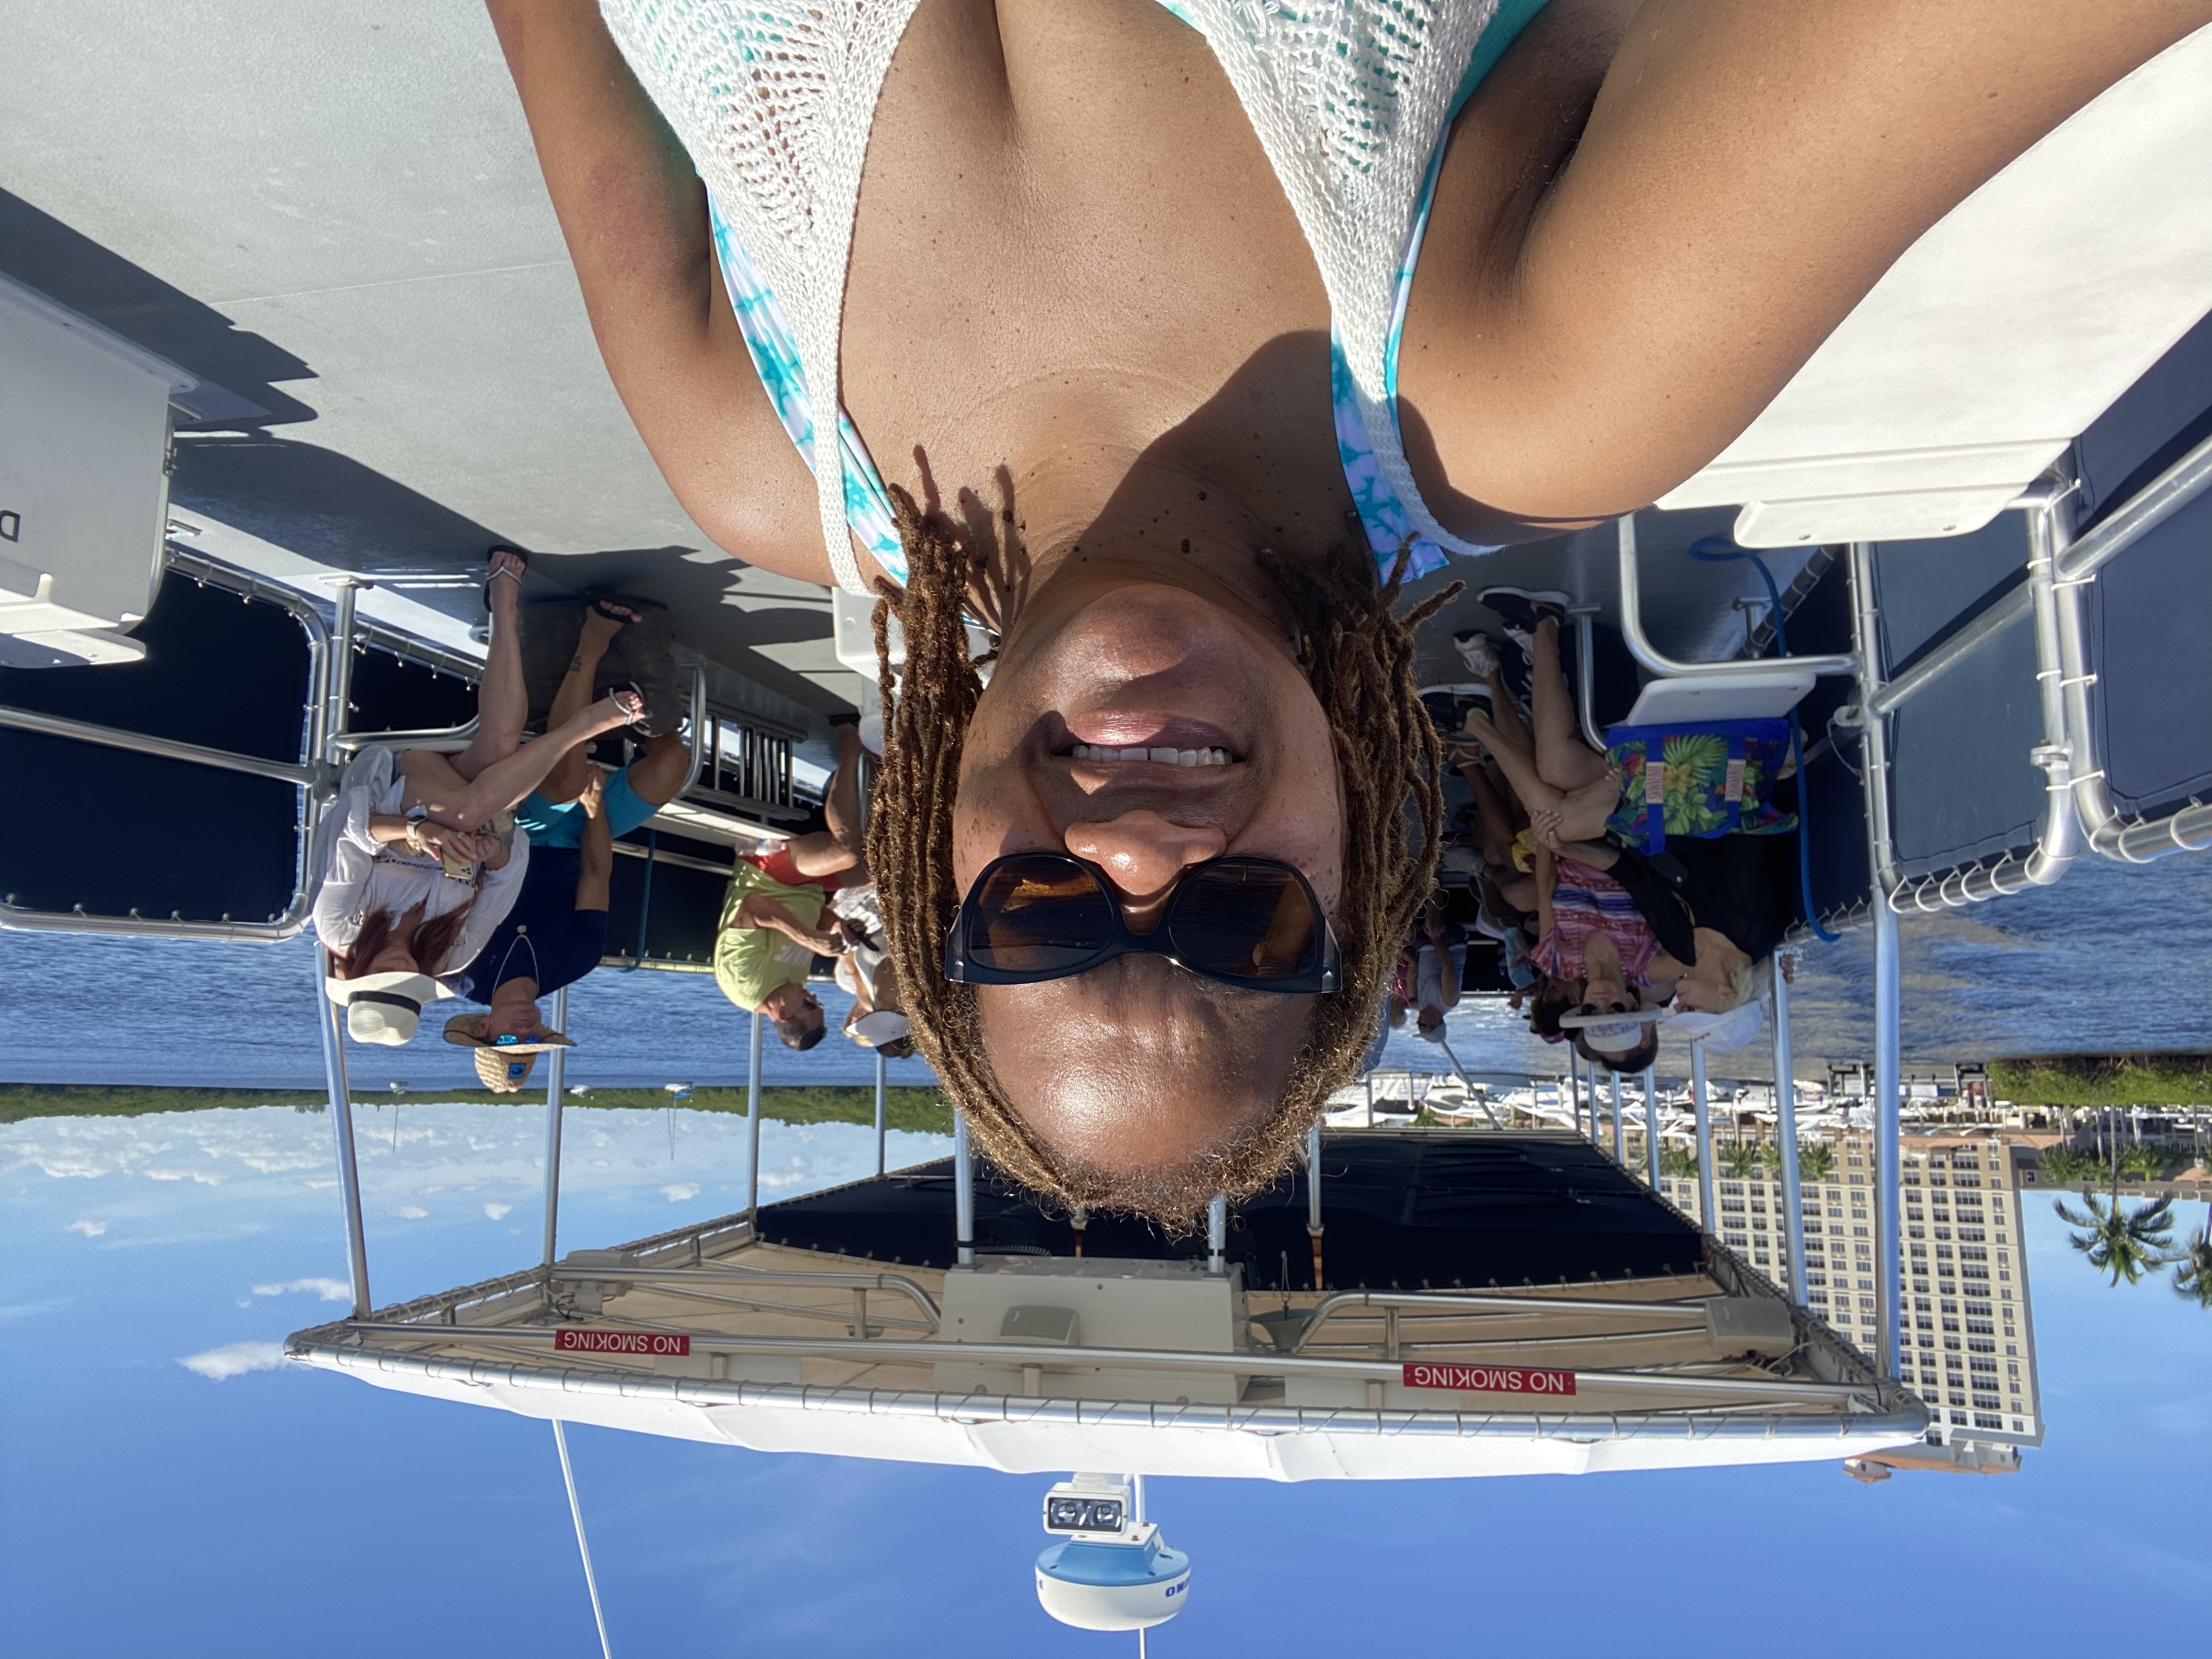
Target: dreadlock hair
1357, 654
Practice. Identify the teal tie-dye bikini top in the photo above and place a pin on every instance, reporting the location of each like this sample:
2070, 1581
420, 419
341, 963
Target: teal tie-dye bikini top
1391, 519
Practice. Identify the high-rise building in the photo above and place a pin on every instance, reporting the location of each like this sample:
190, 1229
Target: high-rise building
1966, 1339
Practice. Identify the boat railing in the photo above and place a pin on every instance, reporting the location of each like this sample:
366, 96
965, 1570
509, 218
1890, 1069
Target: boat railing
1711, 1391
308, 774
2189, 828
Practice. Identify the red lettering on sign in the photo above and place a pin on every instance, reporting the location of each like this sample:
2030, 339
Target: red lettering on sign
1489, 1379
656, 1345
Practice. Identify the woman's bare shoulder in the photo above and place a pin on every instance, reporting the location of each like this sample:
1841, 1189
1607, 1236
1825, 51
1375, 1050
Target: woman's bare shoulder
1621, 272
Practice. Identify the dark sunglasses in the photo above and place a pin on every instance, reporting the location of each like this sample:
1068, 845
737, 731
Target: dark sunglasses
1254, 923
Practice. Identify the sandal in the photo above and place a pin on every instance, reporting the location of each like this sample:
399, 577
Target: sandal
636, 721
507, 571
619, 610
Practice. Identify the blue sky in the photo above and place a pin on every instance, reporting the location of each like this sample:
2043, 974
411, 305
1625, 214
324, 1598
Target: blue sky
143, 1505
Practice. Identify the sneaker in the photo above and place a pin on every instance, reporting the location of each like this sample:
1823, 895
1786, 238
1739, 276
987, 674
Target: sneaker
1448, 705
1523, 608
1476, 651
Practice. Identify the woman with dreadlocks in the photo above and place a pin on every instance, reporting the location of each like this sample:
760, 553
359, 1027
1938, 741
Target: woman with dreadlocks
1214, 321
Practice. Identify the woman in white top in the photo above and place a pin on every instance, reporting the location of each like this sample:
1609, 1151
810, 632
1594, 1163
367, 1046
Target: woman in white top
1143, 279
385, 902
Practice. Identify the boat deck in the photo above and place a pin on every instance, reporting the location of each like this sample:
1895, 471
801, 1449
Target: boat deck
802, 1328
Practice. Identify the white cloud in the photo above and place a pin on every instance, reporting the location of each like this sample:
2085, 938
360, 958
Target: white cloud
218, 1365
415, 1212
90, 1229
498, 1211
330, 1290
681, 1191
208, 1178
33, 1309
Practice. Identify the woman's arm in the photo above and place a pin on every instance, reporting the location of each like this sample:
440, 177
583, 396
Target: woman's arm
1547, 876
633, 214
497, 889
595, 876
758, 910
1748, 172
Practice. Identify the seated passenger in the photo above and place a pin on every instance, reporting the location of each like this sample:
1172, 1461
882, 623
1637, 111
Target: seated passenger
556, 934
772, 928
1431, 971
416, 862
1717, 899
558, 931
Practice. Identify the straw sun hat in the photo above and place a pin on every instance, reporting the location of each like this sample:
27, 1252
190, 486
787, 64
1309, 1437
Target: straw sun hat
504, 1063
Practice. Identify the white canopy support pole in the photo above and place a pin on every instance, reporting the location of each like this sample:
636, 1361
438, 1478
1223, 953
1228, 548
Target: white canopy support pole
881, 1121
1708, 1217
583, 1546
1873, 771
1313, 1197
1619, 1133
557, 1076
753, 1122
1217, 1234
1785, 1133
1886, 1012
341, 1099
337, 704
1652, 1128
963, 1191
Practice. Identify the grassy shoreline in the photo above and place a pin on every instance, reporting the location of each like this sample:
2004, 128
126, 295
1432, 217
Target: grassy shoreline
2104, 1080
921, 1110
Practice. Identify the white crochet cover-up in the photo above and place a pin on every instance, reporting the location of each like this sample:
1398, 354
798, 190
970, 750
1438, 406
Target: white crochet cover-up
774, 100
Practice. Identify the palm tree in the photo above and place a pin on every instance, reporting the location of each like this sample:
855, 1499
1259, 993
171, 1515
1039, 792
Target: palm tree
1816, 1164
2066, 1165
2120, 1243
1677, 1163
2193, 1269
2142, 1163
1742, 1162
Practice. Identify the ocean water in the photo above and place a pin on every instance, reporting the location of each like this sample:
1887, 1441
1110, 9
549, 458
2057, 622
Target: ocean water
87, 1008
2114, 958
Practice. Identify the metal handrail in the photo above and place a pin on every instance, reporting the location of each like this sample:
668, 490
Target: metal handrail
1640, 646
2143, 511
308, 774
2059, 837
1245, 1363
1906, 1422
450, 739
54, 725
2189, 829
1491, 1306
662, 855
914, 1292
2016, 606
